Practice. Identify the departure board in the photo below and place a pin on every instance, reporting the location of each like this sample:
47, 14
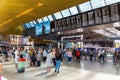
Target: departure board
91, 19
68, 23
56, 25
106, 14
84, 19
60, 25
64, 24
78, 20
98, 16
73, 22
114, 12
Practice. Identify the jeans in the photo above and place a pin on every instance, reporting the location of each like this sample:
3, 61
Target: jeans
58, 63
69, 59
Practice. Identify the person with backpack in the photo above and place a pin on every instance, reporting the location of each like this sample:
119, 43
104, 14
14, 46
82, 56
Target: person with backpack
74, 54
91, 55
78, 56
69, 55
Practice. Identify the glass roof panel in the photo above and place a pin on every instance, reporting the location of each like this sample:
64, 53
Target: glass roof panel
108, 2
58, 15
50, 18
85, 6
73, 10
97, 3
32, 24
45, 19
39, 20
28, 25
65, 13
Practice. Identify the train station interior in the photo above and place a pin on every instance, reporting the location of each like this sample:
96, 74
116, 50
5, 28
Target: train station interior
60, 40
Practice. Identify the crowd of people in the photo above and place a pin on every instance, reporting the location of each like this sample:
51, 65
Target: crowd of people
54, 56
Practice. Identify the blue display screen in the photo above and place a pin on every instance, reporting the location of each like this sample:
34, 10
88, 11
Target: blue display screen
47, 27
27, 25
39, 29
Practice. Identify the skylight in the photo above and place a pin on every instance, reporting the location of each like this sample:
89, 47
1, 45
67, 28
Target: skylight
45, 19
97, 3
108, 2
73, 10
85, 7
39, 20
58, 15
50, 18
65, 13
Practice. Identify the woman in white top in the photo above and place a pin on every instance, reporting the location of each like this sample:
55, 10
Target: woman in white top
17, 54
49, 61
44, 55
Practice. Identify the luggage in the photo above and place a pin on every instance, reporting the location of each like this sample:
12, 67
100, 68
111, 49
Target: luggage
21, 65
38, 63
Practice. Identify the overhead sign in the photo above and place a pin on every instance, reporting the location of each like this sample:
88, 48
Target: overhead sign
106, 14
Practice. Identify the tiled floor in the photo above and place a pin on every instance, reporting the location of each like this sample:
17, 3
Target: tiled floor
84, 71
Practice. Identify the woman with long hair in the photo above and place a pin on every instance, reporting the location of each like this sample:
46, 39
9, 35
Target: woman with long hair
58, 59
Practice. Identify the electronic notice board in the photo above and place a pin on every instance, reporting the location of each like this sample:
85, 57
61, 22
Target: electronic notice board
68, 23
98, 16
84, 19
106, 14
64, 23
78, 21
73, 22
91, 19
114, 12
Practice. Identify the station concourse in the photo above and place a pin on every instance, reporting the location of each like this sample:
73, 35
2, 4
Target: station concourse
60, 40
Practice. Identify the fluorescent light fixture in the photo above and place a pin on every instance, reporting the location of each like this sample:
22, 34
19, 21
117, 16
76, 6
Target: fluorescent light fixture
40, 4
7, 21
25, 12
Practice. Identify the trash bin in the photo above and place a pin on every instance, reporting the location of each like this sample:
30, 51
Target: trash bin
21, 65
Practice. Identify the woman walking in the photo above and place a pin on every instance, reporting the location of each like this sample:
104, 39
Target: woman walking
58, 58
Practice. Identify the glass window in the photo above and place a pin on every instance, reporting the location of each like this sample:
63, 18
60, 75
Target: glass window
39, 20
27, 25
24, 26
58, 15
85, 6
65, 13
73, 10
50, 18
45, 19
108, 2
32, 24
97, 3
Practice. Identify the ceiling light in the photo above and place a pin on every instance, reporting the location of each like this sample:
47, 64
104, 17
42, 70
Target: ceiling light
40, 4
25, 12
7, 21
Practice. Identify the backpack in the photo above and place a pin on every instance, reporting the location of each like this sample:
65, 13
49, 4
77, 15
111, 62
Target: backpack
77, 53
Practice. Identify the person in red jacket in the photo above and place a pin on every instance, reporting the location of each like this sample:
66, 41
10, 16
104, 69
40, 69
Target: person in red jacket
78, 56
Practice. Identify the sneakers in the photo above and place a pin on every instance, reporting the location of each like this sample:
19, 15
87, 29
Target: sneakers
56, 72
